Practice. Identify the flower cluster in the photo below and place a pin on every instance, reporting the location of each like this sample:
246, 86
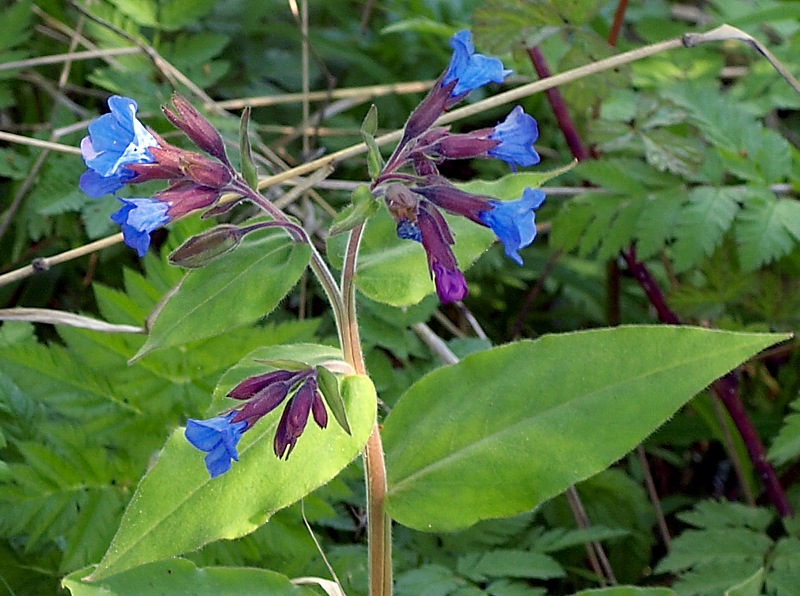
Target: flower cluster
119, 150
219, 436
416, 200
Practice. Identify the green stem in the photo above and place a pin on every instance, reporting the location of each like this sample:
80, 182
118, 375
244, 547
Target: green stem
317, 263
379, 525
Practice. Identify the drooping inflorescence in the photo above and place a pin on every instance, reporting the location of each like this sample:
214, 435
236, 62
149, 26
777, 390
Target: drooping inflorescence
415, 200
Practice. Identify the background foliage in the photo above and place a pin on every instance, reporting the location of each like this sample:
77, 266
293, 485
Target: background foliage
696, 163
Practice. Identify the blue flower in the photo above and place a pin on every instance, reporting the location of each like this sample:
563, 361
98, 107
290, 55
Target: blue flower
469, 69
218, 438
514, 222
516, 135
408, 230
139, 217
114, 140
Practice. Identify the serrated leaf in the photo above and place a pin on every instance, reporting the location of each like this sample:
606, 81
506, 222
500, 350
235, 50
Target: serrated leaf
786, 445
15, 25
458, 436
698, 548
142, 12
228, 292
656, 223
329, 387
501, 25
626, 591
748, 587
724, 514
766, 229
174, 14
177, 507
179, 576
702, 222
508, 563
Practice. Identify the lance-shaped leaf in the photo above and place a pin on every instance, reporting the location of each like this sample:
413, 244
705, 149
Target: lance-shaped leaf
249, 172
368, 129
506, 429
178, 508
235, 289
329, 387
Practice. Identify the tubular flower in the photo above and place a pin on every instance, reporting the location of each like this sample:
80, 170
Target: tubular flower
514, 222
261, 395
468, 69
295, 417
516, 136
466, 72
436, 239
114, 141
217, 437
139, 217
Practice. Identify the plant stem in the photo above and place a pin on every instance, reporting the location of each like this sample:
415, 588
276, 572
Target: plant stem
379, 525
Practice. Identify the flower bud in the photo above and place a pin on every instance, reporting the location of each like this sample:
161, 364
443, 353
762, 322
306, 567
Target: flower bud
196, 127
200, 250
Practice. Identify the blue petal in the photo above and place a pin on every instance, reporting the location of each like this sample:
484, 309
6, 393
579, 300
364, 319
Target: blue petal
139, 217
95, 185
408, 230
471, 70
218, 461
514, 222
218, 437
516, 134
117, 139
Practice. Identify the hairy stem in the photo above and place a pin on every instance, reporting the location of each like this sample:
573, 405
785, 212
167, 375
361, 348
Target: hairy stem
379, 526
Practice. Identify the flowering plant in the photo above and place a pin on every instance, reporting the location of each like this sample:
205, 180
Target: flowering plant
491, 436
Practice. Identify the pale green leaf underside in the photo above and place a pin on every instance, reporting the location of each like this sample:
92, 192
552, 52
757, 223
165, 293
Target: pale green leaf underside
506, 429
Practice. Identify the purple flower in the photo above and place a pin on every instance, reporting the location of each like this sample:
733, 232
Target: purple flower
139, 217
218, 437
295, 417
514, 222
516, 135
114, 140
468, 69
436, 239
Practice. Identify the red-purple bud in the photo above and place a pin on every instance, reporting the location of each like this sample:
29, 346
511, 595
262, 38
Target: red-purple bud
252, 385
184, 197
318, 410
204, 171
293, 420
196, 127
446, 196
262, 403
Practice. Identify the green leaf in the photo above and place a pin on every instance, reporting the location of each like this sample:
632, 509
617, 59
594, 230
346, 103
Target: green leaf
179, 576
656, 223
174, 14
724, 514
364, 205
178, 508
696, 548
511, 186
766, 229
142, 12
15, 24
368, 129
508, 428
233, 290
626, 591
249, 172
395, 271
786, 445
749, 587
329, 387
702, 222
509, 563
